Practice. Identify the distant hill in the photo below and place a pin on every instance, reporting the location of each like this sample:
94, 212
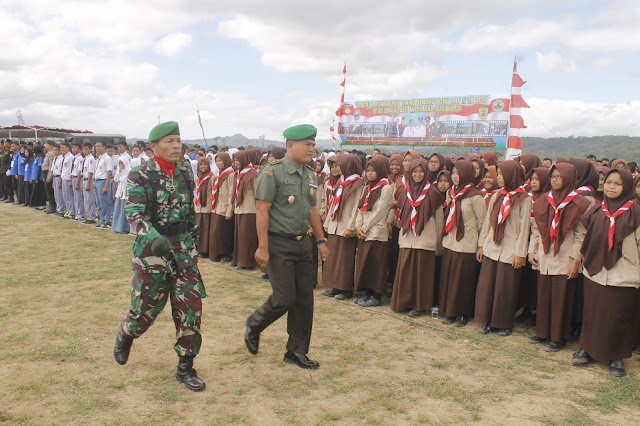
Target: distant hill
627, 147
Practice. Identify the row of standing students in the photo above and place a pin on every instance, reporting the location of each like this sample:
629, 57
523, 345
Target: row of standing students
484, 252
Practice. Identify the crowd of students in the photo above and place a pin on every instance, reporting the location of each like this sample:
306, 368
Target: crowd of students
462, 238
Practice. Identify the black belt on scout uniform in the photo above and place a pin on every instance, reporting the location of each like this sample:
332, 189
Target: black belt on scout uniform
288, 236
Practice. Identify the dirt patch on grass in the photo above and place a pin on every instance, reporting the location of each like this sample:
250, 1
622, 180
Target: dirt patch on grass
60, 307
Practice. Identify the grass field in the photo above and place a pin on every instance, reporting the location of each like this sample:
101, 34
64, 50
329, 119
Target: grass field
64, 287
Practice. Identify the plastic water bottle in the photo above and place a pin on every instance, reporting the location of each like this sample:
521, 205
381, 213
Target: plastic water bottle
435, 312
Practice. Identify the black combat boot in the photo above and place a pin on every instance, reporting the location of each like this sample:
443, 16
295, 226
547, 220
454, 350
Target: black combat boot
122, 347
187, 374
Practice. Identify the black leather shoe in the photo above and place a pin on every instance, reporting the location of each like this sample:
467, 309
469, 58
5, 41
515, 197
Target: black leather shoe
301, 360
448, 320
331, 293
461, 321
636, 350
505, 332
554, 346
485, 329
251, 341
536, 339
345, 295
580, 357
122, 347
616, 368
186, 374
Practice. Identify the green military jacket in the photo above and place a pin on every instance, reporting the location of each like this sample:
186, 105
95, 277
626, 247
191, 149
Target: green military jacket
291, 192
175, 206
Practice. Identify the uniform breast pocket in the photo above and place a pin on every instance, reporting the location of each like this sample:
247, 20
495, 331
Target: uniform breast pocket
288, 190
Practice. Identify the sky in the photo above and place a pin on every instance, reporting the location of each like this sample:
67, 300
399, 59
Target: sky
256, 67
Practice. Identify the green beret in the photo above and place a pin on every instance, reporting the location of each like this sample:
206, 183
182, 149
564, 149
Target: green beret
300, 132
164, 129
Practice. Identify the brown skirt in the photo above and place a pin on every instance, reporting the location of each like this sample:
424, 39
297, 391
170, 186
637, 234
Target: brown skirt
220, 237
608, 324
555, 306
415, 281
371, 266
245, 241
458, 279
497, 294
392, 259
578, 303
528, 292
203, 220
338, 271
436, 282
636, 333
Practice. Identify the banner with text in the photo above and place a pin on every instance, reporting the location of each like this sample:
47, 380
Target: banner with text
474, 121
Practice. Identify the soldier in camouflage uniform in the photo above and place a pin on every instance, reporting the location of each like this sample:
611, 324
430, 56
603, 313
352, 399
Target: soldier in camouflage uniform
160, 210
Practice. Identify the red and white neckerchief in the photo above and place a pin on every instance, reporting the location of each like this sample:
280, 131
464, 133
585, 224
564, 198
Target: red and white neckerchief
584, 189
505, 207
612, 218
380, 184
216, 185
413, 218
483, 190
338, 197
553, 230
489, 194
527, 182
330, 190
256, 167
451, 218
530, 193
199, 183
403, 182
239, 176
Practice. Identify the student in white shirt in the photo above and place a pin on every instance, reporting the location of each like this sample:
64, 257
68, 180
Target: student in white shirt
66, 183
88, 170
76, 178
57, 180
120, 224
102, 185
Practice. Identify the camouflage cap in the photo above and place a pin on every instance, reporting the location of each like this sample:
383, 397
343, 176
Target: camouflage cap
164, 129
300, 132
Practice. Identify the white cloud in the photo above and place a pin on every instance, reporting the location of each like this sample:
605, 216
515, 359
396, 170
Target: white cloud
172, 44
554, 61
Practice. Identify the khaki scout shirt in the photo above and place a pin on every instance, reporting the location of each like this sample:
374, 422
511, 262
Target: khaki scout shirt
291, 192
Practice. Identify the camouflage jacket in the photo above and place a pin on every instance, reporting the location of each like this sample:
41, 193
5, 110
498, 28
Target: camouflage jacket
173, 207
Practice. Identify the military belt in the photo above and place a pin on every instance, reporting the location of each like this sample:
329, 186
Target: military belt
171, 229
288, 236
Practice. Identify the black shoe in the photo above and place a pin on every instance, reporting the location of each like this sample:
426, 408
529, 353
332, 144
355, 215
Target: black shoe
360, 298
225, 260
616, 368
331, 293
251, 340
554, 346
89, 222
536, 339
122, 347
461, 321
301, 360
185, 373
370, 302
636, 350
505, 332
580, 357
485, 329
448, 320
415, 314
344, 295
264, 277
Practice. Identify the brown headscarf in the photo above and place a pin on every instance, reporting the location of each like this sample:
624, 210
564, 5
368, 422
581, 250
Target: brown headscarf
397, 158
543, 212
513, 176
472, 156
560, 159
490, 158
349, 164
529, 161
433, 176
477, 181
595, 246
587, 174
255, 155
493, 171
466, 173
604, 171
448, 164
414, 156
543, 177
429, 206
243, 157
322, 176
380, 166
333, 180
277, 152
617, 162
635, 183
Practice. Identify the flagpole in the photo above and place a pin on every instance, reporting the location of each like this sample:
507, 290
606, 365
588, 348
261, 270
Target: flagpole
206, 144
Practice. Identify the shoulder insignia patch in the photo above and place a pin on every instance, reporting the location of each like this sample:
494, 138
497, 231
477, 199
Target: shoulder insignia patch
267, 172
274, 162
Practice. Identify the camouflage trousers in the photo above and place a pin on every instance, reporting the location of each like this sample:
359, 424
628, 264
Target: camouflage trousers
179, 281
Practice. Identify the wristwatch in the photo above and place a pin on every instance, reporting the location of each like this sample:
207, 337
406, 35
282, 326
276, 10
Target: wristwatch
322, 241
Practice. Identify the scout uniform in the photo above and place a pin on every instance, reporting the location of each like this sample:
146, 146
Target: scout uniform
159, 209
292, 193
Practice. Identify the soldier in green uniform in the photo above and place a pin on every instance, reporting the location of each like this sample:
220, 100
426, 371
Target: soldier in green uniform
286, 209
160, 210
